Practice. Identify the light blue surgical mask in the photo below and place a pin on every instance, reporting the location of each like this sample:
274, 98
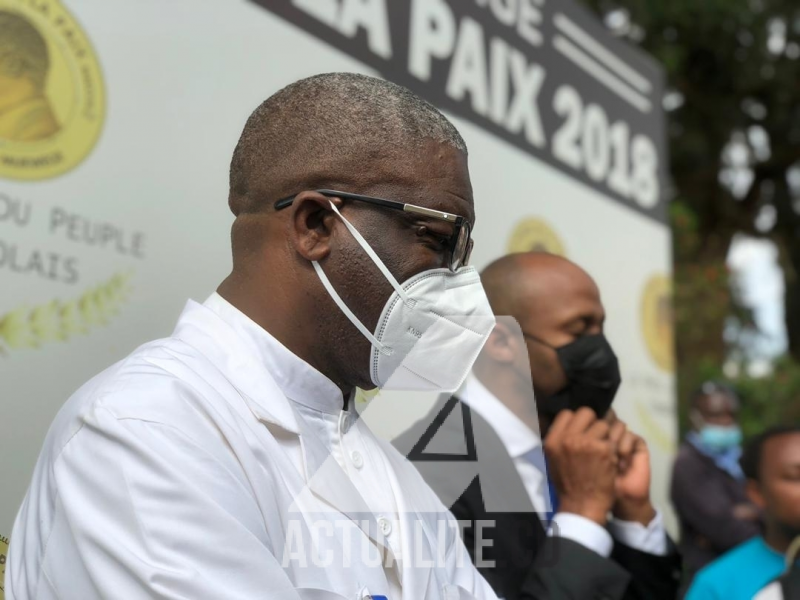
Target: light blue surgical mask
721, 437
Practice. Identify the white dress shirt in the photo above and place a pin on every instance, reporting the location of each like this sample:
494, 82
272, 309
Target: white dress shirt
217, 464
519, 440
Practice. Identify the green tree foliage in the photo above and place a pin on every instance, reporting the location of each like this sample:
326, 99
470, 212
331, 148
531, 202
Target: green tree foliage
733, 77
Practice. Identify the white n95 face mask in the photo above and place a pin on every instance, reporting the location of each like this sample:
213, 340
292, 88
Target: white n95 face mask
431, 329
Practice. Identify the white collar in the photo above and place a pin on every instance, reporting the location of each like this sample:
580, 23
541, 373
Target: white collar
517, 437
299, 381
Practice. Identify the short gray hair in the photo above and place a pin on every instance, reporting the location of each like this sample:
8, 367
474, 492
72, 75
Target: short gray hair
335, 121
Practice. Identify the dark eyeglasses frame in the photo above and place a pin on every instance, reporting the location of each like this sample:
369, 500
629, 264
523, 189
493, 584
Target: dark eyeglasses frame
459, 244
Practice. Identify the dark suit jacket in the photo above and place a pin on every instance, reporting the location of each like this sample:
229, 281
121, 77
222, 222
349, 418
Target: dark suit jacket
704, 496
517, 558
790, 584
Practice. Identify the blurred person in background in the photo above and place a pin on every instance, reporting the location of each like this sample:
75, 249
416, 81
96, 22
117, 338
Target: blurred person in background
555, 342
708, 484
771, 463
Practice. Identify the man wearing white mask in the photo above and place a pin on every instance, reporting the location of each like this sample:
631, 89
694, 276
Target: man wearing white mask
225, 461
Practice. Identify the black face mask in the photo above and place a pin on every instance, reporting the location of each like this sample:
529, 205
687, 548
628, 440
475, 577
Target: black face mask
592, 372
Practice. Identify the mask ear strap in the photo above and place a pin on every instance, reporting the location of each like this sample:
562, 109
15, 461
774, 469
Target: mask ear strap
371, 253
348, 313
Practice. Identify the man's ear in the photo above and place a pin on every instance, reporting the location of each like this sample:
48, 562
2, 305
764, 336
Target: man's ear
501, 347
755, 494
312, 222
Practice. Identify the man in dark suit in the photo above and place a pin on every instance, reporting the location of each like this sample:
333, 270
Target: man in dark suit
554, 346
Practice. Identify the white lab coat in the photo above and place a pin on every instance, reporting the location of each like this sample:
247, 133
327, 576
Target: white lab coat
217, 464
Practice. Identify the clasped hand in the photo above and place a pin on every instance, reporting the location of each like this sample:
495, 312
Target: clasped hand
599, 466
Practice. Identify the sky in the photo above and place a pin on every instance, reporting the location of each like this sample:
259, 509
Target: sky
754, 263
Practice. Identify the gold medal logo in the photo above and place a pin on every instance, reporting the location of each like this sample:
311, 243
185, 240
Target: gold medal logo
535, 235
52, 97
657, 321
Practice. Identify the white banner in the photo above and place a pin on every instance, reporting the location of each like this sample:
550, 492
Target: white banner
117, 124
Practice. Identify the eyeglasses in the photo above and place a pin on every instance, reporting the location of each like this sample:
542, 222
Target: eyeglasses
459, 244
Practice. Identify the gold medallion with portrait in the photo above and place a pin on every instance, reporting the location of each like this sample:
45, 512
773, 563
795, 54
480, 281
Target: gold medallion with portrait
657, 321
52, 96
535, 235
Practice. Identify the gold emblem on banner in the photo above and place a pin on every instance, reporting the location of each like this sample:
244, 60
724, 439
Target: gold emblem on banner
52, 97
657, 321
3, 559
653, 428
56, 321
534, 234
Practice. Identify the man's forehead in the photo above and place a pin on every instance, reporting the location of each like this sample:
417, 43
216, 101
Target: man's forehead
436, 177
782, 450
718, 402
564, 296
